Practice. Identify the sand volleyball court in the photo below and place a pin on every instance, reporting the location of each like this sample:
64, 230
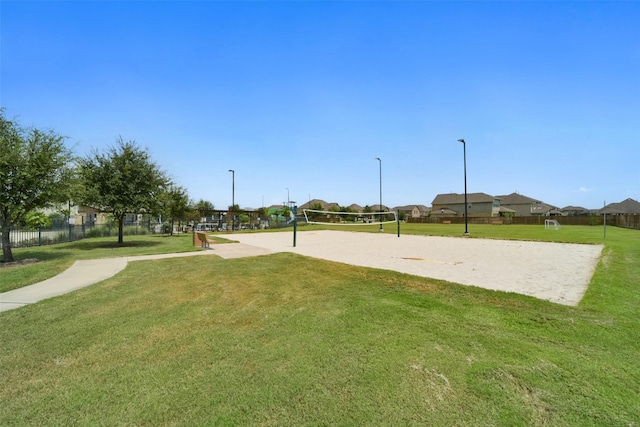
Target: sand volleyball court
557, 272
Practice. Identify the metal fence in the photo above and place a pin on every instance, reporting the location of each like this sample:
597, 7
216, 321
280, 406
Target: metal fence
29, 237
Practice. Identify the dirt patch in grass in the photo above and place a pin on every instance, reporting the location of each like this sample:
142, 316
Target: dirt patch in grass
18, 263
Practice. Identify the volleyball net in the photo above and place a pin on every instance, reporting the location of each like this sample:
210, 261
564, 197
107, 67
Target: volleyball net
313, 216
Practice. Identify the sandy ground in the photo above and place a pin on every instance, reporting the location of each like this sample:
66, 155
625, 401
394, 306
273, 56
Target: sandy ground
557, 272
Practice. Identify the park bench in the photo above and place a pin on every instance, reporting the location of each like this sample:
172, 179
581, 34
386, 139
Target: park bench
204, 240
446, 221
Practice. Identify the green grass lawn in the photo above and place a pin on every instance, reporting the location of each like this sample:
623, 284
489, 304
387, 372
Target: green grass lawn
55, 259
290, 340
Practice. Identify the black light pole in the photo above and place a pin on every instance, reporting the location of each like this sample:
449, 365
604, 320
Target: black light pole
466, 216
233, 194
380, 161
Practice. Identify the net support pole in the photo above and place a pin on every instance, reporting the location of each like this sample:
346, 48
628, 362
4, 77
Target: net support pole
295, 224
605, 220
398, 221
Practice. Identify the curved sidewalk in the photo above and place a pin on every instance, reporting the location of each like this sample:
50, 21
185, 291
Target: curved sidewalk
87, 272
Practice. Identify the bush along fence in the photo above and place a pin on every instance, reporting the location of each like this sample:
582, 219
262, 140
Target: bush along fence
29, 237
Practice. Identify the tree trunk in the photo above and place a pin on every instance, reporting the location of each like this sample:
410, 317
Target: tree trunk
120, 229
7, 255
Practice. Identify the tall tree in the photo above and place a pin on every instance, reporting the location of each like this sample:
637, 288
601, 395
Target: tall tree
261, 212
35, 219
231, 217
286, 211
316, 206
35, 172
175, 204
204, 208
123, 180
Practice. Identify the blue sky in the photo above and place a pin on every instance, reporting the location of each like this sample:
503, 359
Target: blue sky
304, 95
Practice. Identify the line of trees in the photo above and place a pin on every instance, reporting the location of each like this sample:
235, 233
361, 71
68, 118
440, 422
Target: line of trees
38, 171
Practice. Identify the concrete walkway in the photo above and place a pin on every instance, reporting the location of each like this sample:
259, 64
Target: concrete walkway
87, 272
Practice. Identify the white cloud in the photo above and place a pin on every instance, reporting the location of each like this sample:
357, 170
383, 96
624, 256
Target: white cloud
584, 190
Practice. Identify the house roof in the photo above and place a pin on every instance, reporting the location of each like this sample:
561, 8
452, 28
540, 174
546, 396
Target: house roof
376, 208
574, 208
628, 206
544, 209
516, 199
325, 205
455, 198
406, 208
308, 204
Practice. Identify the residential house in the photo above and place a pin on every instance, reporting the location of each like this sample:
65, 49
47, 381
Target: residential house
413, 211
478, 205
92, 216
628, 206
625, 213
377, 208
526, 206
87, 215
326, 206
355, 207
574, 211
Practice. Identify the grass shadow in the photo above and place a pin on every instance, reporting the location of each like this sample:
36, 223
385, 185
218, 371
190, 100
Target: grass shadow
40, 255
87, 245
67, 250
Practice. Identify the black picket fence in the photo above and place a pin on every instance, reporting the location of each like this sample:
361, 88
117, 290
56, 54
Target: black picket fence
29, 237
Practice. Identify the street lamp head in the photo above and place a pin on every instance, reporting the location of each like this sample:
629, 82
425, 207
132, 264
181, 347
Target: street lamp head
461, 140
378, 158
231, 170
